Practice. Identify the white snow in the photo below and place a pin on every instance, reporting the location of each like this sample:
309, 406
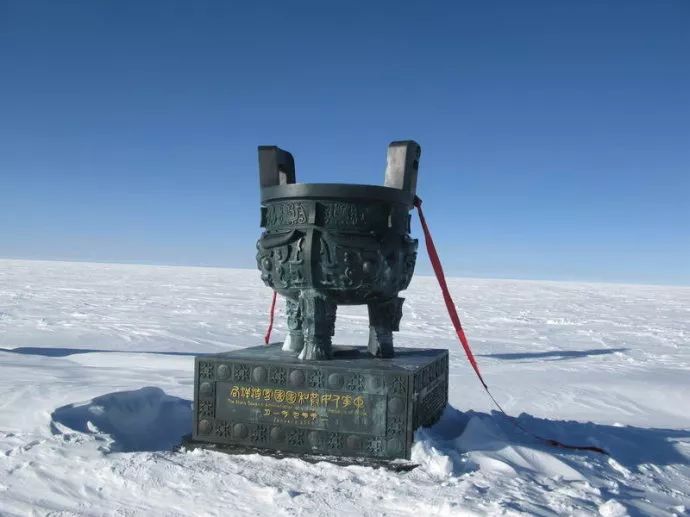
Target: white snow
96, 382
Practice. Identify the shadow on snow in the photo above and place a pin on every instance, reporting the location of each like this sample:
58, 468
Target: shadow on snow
64, 352
555, 355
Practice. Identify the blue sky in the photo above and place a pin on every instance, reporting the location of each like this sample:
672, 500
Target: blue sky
555, 135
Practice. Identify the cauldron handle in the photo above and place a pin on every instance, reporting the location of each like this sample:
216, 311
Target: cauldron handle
403, 165
276, 166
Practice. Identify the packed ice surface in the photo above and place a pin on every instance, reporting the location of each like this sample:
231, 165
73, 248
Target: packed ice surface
96, 386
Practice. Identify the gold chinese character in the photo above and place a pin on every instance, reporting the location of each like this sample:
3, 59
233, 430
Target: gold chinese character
290, 397
325, 399
314, 399
246, 392
336, 399
301, 397
358, 402
256, 393
347, 400
235, 392
279, 395
267, 412
267, 393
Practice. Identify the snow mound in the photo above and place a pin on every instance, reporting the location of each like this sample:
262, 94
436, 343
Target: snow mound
146, 419
491, 449
463, 442
612, 508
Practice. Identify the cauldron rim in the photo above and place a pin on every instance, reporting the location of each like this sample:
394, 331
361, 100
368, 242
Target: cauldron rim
336, 191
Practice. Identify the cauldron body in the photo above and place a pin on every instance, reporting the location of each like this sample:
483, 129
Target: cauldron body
349, 242
326, 245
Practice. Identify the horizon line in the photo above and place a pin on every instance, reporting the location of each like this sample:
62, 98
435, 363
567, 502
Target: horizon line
423, 275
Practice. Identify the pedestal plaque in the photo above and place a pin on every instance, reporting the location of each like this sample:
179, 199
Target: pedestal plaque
352, 406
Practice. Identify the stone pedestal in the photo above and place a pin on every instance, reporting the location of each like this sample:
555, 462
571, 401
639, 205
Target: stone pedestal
351, 406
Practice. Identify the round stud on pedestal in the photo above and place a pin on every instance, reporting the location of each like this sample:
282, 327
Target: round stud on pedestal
314, 438
335, 380
223, 371
297, 378
206, 389
374, 383
259, 374
277, 434
396, 405
240, 431
205, 427
353, 442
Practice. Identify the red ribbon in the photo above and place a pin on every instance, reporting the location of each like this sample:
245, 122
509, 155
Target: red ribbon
441, 277
267, 337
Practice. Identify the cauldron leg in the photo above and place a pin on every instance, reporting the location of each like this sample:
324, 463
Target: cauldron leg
318, 324
384, 318
295, 339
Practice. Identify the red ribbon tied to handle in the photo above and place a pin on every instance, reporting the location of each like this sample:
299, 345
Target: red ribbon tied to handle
441, 277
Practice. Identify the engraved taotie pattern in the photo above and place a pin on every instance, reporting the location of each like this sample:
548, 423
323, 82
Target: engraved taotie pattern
241, 372
206, 370
223, 429
206, 408
316, 379
287, 213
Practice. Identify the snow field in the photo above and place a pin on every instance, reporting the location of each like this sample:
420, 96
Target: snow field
96, 381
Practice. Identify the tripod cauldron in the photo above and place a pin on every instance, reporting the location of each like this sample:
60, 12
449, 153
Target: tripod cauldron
326, 245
